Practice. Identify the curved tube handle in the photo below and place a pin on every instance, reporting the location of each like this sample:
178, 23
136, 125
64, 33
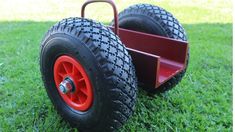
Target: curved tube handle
116, 29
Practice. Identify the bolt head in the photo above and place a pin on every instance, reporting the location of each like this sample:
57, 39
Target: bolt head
63, 89
66, 86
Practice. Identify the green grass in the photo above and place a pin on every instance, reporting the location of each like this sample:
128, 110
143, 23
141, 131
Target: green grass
201, 102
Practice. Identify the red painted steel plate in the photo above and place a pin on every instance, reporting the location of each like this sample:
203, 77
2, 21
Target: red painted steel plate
156, 58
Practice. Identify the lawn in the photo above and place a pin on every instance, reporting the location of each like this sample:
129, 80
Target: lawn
201, 102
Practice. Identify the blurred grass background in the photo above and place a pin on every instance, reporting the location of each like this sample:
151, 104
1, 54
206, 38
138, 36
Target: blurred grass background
201, 102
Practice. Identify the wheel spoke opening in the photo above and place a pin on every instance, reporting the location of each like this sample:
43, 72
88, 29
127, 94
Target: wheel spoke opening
82, 97
82, 86
68, 67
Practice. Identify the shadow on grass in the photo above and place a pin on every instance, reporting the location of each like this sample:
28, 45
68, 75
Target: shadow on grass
202, 101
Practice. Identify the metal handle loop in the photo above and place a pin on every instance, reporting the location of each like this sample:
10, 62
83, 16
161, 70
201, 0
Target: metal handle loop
116, 29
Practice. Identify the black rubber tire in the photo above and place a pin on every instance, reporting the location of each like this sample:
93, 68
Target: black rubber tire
107, 64
154, 20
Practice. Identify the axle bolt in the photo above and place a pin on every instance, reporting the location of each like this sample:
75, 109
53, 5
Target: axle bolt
63, 89
66, 86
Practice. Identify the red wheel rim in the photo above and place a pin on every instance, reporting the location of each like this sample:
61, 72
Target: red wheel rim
81, 97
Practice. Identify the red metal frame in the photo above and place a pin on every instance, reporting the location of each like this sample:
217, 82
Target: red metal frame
157, 59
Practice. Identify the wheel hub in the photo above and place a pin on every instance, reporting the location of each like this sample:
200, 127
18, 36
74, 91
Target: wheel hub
67, 85
73, 83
